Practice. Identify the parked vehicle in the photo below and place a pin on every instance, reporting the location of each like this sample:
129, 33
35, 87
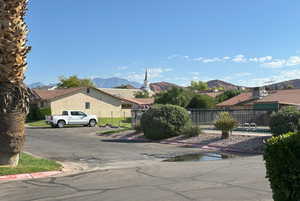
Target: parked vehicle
71, 117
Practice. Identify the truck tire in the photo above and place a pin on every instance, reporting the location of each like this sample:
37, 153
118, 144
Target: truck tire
61, 124
92, 123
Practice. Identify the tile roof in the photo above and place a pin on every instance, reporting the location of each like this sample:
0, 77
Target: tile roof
236, 100
288, 96
51, 94
141, 101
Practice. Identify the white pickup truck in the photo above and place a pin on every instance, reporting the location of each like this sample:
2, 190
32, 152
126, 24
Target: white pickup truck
71, 117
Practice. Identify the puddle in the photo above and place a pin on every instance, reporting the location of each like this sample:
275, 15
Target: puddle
198, 157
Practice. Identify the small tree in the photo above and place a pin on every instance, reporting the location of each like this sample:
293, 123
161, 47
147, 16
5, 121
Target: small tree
198, 85
142, 94
74, 81
174, 96
226, 123
227, 95
201, 101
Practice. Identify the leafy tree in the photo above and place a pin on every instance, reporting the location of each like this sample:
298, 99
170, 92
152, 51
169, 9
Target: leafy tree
175, 96
74, 81
198, 85
227, 95
142, 94
202, 101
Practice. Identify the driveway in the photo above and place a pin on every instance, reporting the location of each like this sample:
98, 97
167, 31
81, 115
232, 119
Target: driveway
133, 172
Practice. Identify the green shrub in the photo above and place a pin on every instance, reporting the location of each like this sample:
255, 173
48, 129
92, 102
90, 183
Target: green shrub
282, 156
192, 131
36, 114
226, 123
284, 121
165, 121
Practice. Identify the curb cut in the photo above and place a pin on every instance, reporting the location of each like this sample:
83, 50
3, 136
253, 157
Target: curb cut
29, 176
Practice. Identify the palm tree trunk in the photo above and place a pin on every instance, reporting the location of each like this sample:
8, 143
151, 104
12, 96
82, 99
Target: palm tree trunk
14, 95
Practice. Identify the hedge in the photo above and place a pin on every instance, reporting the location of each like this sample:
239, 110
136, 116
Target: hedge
282, 157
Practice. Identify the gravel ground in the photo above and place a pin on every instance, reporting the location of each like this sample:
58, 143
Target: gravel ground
241, 143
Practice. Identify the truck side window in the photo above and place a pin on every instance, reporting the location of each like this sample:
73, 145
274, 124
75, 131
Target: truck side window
74, 114
65, 113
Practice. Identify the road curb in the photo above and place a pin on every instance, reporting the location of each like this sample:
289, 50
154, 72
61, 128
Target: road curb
36, 175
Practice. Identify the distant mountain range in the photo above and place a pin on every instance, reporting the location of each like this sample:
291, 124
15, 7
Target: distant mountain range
285, 85
99, 82
114, 82
40, 85
219, 83
163, 86
290, 84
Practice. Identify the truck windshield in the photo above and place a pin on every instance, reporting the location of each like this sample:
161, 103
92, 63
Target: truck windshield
65, 113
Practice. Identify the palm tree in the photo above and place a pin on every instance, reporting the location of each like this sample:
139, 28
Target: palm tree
14, 95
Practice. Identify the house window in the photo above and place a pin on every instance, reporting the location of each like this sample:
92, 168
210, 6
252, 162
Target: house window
126, 106
87, 105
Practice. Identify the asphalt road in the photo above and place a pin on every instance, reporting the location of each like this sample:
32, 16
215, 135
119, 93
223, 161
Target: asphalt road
133, 172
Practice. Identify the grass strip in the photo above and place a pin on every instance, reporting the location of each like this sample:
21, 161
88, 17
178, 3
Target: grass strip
113, 131
118, 122
30, 164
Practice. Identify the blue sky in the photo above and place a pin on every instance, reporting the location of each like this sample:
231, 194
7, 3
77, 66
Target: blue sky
244, 42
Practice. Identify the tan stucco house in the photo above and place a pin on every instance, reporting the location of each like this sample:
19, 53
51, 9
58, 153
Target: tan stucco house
86, 99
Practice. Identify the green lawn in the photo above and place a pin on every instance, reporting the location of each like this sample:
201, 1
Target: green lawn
113, 131
126, 123
115, 122
30, 164
41, 123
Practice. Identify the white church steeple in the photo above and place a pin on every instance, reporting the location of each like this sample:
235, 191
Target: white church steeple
146, 86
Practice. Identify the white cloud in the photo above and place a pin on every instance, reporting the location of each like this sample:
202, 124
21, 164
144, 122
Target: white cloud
264, 59
281, 76
198, 59
226, 58
122, 67
239, 59
212, 60
178, 56
153, 74
293, 61
277, 63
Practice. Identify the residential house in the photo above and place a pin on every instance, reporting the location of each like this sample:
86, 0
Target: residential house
261, 99
86, 99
